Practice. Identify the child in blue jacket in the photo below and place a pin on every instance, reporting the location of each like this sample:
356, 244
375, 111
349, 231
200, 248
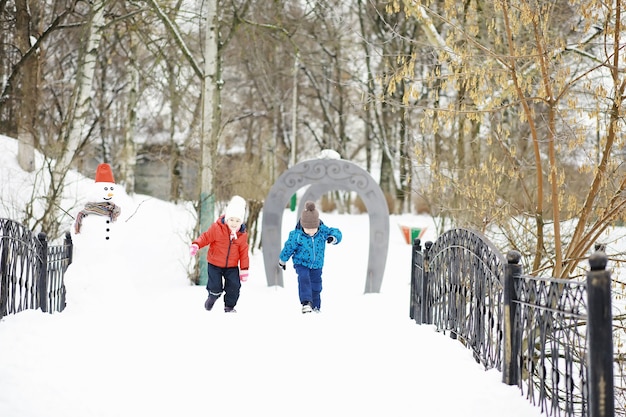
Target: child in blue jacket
307, 243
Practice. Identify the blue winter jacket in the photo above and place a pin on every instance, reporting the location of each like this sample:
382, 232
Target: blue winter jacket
308, 250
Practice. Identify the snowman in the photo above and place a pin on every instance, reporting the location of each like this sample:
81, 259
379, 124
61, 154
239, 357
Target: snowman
98, 239
96, 221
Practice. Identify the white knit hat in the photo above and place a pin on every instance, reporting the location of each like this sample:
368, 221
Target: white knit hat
236, 208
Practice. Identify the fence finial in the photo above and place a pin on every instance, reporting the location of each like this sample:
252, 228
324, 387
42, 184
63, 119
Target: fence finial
513, 257
598, 261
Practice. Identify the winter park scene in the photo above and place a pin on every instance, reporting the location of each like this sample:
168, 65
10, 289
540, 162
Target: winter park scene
135, 338
312, 208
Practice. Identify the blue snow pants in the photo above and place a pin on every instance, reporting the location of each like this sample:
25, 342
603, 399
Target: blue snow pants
309, 285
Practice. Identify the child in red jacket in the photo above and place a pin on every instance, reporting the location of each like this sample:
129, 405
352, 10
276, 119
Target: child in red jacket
227, 256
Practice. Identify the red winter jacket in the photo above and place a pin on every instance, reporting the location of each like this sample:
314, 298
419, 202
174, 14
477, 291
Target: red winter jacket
223, 252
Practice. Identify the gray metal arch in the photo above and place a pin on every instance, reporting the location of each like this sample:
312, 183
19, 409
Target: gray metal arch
326, 175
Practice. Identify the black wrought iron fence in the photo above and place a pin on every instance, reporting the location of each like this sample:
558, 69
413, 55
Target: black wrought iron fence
31, 271
551, 337
459, 290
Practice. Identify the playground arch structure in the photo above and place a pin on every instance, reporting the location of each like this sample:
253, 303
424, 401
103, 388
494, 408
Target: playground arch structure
322, 176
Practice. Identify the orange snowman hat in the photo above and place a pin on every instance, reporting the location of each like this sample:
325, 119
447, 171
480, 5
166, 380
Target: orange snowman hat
104, 173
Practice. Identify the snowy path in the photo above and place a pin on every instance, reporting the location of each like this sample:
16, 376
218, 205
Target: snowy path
157, 352
156, 361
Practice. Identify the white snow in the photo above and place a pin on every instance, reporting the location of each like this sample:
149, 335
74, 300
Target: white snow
138, 342
329, 154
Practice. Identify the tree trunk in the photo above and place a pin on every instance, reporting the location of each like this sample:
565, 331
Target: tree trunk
211, 115
26, 89
128, 158
77, 117
174, 154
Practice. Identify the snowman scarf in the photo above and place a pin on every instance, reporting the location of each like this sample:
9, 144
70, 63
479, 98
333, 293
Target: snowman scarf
100, 209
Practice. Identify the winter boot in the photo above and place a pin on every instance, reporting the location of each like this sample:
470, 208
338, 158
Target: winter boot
229, 309
210, 301
306, 308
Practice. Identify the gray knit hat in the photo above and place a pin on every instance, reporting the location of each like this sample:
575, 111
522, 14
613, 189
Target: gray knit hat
310, 218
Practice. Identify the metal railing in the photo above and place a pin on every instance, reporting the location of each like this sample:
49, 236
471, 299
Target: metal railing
551, 337
31, 271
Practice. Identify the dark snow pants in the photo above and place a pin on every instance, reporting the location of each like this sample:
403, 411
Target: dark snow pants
309, 285
230, 284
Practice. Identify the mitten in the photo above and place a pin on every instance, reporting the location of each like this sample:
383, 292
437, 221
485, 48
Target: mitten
243, 275
332, 239
282, 265
193, 249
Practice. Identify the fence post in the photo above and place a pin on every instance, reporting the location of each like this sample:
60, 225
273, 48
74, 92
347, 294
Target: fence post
42, 284
69, 252
413, 302
510, 365
69, 248
4, 277
600, 338
425, 317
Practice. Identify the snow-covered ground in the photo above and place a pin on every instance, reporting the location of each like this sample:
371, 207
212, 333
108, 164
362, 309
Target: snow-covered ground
135, 339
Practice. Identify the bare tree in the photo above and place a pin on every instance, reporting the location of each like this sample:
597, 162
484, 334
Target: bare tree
504, 120
26, 87
77, 117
